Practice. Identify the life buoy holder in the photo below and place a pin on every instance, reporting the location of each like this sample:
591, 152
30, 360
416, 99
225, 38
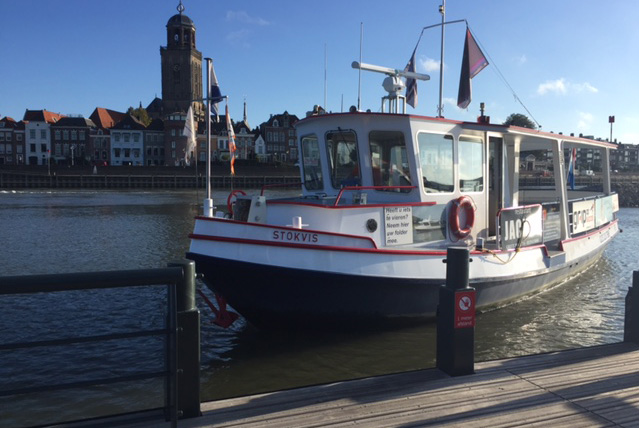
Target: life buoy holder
229, 203
462, 205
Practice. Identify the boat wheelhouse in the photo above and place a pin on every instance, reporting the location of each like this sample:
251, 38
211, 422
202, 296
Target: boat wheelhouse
383, 195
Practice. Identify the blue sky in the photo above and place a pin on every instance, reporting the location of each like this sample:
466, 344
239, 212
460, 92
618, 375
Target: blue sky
572, 63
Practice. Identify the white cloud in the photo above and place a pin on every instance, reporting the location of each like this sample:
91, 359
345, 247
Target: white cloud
584, 87
429, 64
585, 119
245, 18
563, 87
239, 38
521, 59
557, 86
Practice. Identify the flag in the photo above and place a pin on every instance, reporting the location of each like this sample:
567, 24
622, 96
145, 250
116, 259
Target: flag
189, 133
229, 129
473, 62
411, 84
571, 168
215, 96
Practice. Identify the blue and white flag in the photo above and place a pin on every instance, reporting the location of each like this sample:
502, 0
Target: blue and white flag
411, 84
571, 168
214, 96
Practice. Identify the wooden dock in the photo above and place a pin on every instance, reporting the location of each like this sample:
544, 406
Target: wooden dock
589, 387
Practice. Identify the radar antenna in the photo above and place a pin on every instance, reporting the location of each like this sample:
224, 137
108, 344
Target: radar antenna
393, 84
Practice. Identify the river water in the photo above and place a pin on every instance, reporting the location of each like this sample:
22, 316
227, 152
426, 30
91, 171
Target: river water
70, 231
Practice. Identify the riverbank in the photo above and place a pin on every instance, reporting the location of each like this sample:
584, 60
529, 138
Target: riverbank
628, 193
248, 176
131, 177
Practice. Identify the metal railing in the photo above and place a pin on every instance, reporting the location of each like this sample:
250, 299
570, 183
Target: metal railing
181, 371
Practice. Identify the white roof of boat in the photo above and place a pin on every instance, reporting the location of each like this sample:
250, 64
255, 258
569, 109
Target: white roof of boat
490, 127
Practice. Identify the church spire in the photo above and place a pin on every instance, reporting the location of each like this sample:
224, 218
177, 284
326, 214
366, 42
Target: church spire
244, 109
180, 7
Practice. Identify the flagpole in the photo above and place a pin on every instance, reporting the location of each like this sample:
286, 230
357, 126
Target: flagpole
208, 202
359, 83
440, 108
325, 66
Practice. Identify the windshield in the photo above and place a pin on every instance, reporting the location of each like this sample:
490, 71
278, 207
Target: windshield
311, 163
389, 159
343, 158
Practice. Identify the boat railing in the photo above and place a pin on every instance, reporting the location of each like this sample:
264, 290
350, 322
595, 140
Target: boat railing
587, 198
592, 212
360, 188
279, 185
181, 393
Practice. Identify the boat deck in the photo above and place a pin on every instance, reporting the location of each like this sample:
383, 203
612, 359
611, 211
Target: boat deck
589, 387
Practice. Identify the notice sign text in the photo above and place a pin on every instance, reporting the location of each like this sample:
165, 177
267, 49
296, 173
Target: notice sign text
399, 225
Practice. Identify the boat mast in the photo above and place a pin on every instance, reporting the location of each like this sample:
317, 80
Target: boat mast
359, 83
440, 108
208, 202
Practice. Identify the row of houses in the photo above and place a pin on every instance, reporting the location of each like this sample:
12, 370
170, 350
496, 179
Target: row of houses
110, 137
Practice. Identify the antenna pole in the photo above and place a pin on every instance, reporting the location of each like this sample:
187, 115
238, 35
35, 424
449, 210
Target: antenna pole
359, 84
325, 67
440, 108
208, 202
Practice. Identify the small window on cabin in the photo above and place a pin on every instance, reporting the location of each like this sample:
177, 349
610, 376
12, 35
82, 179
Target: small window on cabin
471, 164
389, 160
436, 160
584, 170
311, 164
536, 171
343, 159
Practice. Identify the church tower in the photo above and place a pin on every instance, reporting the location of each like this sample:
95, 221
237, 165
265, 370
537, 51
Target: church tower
181, 67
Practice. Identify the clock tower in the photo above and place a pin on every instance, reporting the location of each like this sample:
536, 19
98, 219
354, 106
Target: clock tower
181, 67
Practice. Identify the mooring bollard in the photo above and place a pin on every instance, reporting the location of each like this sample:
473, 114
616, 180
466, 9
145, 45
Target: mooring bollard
188, 343
631, 319
456, 317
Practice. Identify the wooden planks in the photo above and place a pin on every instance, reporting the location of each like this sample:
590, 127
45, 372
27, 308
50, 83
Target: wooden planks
590, 387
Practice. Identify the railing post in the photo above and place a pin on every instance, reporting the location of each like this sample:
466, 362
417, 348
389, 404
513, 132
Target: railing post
188, 343
631, 319
456, 317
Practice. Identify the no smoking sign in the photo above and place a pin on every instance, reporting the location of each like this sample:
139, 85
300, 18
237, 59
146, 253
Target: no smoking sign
464, 309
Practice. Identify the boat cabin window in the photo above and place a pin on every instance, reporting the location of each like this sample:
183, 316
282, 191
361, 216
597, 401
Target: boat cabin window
389, 160
536, 167
471, 164
436, 160
341, 147
311, 164
584, 171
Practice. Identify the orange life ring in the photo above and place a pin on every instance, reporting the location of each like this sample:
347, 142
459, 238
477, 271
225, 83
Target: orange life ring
229, 204
462, 204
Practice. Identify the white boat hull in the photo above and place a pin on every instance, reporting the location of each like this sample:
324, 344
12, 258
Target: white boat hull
321, 279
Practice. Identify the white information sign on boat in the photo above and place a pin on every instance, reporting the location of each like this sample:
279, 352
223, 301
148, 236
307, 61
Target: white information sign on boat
583, 216
399, 225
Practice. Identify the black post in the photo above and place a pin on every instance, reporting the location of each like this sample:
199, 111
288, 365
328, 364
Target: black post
631, 320
456, 317
188, 343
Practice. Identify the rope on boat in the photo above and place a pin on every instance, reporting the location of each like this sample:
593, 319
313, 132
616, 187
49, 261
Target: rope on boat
517, 247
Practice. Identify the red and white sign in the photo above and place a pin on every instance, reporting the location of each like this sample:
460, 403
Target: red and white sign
464, 309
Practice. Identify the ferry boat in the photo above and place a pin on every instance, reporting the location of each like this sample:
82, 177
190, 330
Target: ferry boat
384, 195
